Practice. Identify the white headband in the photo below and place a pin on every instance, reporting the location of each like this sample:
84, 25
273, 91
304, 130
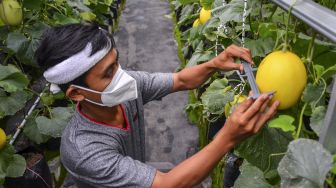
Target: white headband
75, 65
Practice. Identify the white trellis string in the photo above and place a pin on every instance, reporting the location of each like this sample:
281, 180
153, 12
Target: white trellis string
244, 25
243, 34
221, 26
22, 124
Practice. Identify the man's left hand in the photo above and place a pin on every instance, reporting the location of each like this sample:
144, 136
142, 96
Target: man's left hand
226, 59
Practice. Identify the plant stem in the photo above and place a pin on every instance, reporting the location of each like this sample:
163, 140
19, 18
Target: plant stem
300, 122
310, 52
53, 6
251, 28
269, 159
234, 80
273, 12
202, 127
286, 43
284, 48
32, 91
261, 9
330, 182
218, 174
309, 58
322, 94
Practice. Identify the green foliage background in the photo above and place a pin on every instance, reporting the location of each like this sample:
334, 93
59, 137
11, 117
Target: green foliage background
269, 28
19, 73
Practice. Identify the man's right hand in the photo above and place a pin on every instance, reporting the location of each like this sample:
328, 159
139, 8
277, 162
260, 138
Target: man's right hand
249, 118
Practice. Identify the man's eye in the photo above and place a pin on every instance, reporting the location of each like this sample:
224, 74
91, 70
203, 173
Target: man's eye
109, 72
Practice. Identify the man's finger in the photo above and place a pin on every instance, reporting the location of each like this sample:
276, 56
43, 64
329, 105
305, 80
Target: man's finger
234, 66
265, 105
260, 115
247, 57
244, 105
267, 116
248, 51
253, 122
240, 53
241, 68
255, 108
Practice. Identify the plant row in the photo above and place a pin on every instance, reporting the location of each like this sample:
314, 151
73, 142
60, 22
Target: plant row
22, 23
291, 59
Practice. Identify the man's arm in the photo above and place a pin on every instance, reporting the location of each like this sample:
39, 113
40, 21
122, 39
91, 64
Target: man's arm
192, 77
247, 119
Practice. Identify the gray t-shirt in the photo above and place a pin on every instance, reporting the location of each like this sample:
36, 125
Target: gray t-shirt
98, 155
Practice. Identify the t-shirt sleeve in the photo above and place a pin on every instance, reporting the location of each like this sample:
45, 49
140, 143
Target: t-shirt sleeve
111, 169
153, 86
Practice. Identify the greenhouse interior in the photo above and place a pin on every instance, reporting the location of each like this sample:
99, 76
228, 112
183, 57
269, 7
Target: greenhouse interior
186, 93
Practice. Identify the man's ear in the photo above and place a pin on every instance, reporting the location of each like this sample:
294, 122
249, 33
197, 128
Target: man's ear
74, 94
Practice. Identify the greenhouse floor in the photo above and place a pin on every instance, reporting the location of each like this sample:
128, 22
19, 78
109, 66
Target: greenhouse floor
145, 41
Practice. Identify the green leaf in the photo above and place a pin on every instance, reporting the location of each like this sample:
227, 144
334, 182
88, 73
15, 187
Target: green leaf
101, 8
59, 2
36, 30
108, 2
199, 57
233, 11
4, 31
333, 170
206, 4
11, 103
6, 71
330, 71
24, 47
266, 30
11, 79
14, 82
283, 122
15, 41
251, 177
61, 19
88, 16
258, 149
319, 69
32, 132
2, 23
185, 2
17, 166
305, 164
54, 126
210, 30
324, 53
47, 99
26, 53
216, 96
272, 177
33, 4
187, 13
11, 164
194, 112
317, 119
311, 94
78, 4
260, 47
194, 108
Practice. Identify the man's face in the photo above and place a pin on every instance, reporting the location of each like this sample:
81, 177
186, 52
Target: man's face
100, 76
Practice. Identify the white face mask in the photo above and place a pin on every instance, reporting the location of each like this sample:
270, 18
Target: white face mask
121, 89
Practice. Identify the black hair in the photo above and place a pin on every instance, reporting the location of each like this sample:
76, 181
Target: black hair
60, 43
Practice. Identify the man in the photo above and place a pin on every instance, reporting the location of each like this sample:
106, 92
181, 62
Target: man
103, 144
